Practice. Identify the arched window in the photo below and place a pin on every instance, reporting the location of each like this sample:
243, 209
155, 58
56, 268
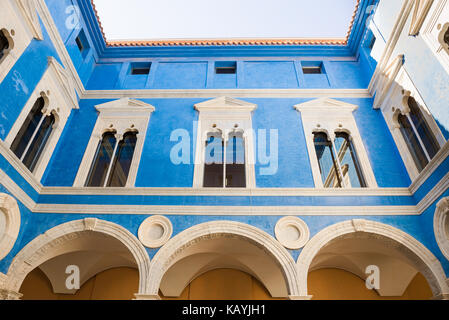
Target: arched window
33, 135
235, 162
214, 162
102, 161
4, 44
123, 160
112, 161
446, 37
418, 136
350, 165
327, 161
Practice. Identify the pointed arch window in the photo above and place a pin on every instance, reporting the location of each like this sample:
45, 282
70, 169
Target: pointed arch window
4, 44
235, 161
33, 136
112, 161
338, 162
214, 162
446, 37
418, 136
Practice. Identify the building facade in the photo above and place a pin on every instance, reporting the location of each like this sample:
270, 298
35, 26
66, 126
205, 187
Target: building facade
224, 169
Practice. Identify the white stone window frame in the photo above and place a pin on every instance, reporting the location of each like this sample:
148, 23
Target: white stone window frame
395, 103
20, 23
221, 115
435, 25
57, 90
331, 117
119, 116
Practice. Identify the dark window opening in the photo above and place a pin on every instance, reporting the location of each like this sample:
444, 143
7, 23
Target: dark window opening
213, 168
326, 161
4, 44
312, 70
372, 42
350, 165
102, 160
140, 68
235, 163
225, 67
123, 160
82, 43
412, 142
446, 37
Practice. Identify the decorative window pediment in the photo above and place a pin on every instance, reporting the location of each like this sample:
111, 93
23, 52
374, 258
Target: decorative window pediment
28, 9
225, 144
420, 10
125, 121
333, 119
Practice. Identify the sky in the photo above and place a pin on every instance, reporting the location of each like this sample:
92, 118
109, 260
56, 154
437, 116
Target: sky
224, 19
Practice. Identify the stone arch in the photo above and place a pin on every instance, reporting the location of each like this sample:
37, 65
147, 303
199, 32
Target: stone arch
9, 229
171, 252
424, 261
49, 244
441, 226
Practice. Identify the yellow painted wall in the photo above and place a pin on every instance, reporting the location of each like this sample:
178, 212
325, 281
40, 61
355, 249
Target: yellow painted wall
112, 284
219, 284
337, 284
224, 284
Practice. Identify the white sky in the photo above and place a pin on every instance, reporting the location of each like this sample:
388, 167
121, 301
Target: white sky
224, 19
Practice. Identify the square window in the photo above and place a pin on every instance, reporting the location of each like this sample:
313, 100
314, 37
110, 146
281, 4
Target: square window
82, 43
140, 68
225, 67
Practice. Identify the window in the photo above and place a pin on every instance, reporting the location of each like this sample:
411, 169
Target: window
33, 135
337, 154
139, 68
311, 67
225, 144
82, 43
224, 67
4, 44
446, 37
112, 161
338, 163
417, 135
113, 153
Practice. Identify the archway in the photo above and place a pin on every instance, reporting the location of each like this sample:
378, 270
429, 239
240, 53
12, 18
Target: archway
356, 244
223, 245
91, 244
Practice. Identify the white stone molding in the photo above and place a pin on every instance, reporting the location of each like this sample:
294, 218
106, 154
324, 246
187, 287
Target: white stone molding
386, 79
395, 102
420, 11
56, 241
56, 88
441, 226
332, 116
155, 231
9, 223
18, 18
424, 261
435, 26
292, 232
119, 116
167, 255
225, 115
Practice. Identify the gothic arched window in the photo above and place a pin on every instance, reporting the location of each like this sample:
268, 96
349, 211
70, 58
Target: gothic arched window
446, 37
349, 162
214, 162
4, 44
235, 162
32, 137
327, 161
112, 161
122, 160
418, 136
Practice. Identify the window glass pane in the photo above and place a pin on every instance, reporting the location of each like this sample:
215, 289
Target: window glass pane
4, 44
352, 172
235, 163
326, 161
40, 140
412, 143
213, 167
27, 130
122, 160
102, 160
424, 131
